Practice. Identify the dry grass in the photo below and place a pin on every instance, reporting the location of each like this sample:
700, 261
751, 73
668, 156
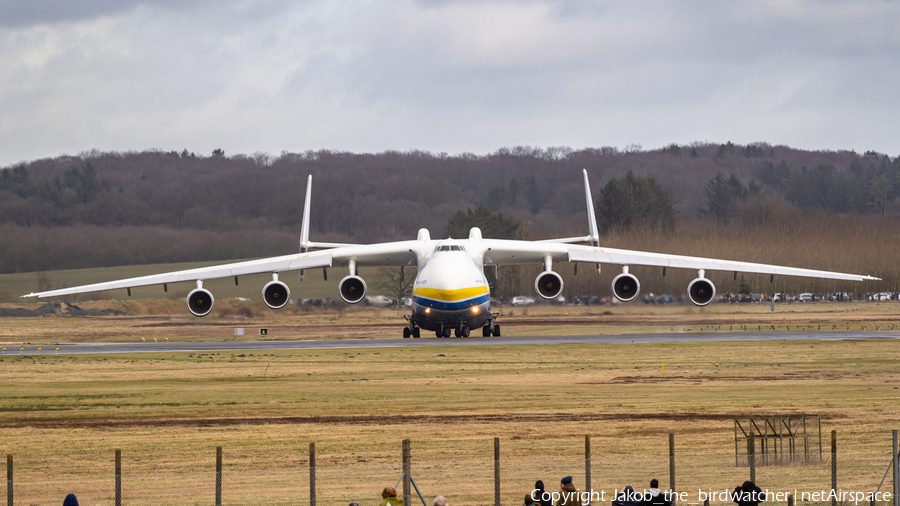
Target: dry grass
63, 416
163, 319
535, 396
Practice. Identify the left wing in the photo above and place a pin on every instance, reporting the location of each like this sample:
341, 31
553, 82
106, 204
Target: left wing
500, 252
627, 257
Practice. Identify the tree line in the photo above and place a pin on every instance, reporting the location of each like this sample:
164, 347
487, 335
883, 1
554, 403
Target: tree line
366, 197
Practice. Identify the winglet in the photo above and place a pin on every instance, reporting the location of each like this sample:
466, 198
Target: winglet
592, 220
304, 230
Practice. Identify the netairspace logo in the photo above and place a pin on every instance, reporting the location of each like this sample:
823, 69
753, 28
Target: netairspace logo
727, 496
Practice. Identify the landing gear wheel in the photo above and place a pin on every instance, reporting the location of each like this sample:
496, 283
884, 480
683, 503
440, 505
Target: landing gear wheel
416, 333
456, 332
485, 331
465, 331
496, 330
447, 331
438, 334
406, 332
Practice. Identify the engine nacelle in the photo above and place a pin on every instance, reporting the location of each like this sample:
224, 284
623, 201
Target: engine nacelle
276, 294
626, 287
200, 301
701, 291
548, 285
352, 289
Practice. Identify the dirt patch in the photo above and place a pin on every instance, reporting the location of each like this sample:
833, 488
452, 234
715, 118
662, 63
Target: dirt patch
704, 378
378, 420
57, 308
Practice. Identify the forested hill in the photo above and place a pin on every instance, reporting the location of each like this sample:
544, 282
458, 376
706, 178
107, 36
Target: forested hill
121, 208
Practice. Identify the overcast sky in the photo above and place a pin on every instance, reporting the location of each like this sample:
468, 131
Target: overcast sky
451, 76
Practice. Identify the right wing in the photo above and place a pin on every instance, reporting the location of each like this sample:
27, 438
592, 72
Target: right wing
382, 255
275, 264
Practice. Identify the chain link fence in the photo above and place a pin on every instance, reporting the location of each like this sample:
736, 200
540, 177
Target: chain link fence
293, 479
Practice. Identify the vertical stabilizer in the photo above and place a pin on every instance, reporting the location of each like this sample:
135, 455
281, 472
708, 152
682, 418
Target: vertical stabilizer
592, 220
304, 230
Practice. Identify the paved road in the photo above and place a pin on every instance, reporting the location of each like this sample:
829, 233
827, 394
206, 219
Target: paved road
145, 347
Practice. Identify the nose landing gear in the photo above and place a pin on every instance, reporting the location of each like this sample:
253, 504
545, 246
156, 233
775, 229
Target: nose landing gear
461, 331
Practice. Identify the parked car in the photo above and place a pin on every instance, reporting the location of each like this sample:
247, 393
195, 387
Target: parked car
804, 297
780, 297
882, 296
559, 301
522, 300
587, 300
839, 297
406, 302
379, 301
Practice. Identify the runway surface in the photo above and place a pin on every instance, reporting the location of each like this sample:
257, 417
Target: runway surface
148, 347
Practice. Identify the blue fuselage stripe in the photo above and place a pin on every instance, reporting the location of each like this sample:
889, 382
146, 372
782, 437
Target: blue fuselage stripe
451, 306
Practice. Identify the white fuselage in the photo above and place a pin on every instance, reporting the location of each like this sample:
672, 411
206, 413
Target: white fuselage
450, 288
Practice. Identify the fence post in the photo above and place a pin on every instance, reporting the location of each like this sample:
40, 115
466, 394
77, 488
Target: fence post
790, 500
407, 470
751, 456
587, 466
218, 476
118, 477
496, 471
9, 480
312, 474
834, 466
896, 458
672, 463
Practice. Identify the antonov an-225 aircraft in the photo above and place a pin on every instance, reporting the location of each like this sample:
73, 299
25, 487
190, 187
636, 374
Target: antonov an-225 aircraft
451, 294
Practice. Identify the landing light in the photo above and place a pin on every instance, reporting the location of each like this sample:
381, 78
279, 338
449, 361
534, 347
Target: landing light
475, 309
427, 309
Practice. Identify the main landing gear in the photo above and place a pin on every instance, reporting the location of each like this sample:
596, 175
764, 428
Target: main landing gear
491, 328
412, 330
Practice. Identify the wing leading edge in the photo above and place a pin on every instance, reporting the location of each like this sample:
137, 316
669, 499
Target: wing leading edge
385, 254
627, 257
502, 252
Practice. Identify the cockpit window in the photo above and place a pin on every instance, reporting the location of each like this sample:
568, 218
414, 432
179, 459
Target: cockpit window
449, 248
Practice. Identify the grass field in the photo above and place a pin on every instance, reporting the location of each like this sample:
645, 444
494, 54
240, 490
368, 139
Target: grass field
64, 415
163, 319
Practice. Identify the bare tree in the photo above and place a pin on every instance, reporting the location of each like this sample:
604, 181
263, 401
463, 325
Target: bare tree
396, 282
44, 283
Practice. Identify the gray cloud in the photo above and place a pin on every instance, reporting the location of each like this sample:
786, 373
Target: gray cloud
445, 76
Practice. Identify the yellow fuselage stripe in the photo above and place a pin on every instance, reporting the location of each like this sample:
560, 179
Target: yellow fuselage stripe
451, 295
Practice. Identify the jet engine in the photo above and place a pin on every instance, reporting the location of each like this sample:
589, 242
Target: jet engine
548, 285
701, 291
352, 289
626, 286
276, 294
200, 301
